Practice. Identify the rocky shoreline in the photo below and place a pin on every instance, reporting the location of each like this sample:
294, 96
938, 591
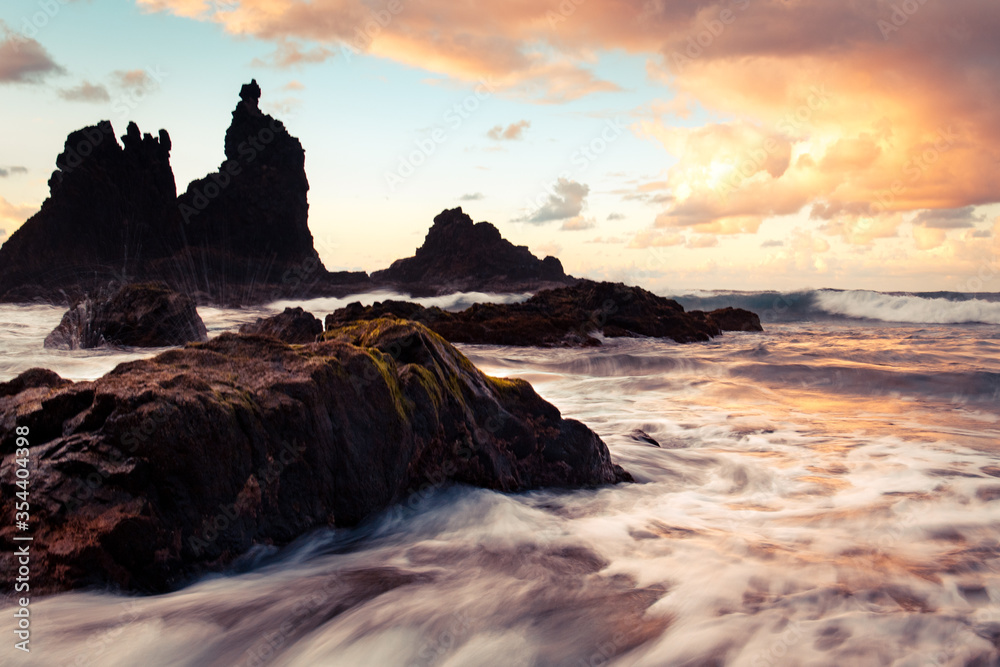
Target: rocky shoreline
173, 466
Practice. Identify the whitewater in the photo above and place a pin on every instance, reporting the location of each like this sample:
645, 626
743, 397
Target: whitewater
826, 492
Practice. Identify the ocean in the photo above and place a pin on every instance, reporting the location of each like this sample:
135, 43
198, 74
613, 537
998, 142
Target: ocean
826, 492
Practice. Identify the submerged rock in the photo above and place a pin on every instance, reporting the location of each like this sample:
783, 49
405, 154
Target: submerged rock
294, 325
566, 316
459, 256
170, 466
143, 315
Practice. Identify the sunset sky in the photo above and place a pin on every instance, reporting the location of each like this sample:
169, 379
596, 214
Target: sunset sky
743, 144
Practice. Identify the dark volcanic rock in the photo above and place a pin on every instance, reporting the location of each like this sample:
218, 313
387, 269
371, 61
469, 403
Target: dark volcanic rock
169, 466
459, 256
238, 236
247, 224
294, 325
557, 317
111, 210
143, 315
641, 436
733, 319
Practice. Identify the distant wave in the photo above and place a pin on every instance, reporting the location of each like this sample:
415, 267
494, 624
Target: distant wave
911, 309
824, 305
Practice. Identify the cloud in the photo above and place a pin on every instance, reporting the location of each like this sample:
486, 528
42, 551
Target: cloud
703, 241
134, 80
771, 243
293, 85
86, 92
23, 60
615, 216
577, 224
472, 196
7, 171
832, 109
930, 228
288, 53
958, 218
566, 200
651, 238
606, 239
513, 131
505, 43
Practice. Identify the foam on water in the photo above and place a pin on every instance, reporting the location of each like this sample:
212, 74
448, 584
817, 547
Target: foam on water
912, 309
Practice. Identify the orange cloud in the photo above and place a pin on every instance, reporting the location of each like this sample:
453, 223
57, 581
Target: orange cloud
857, 112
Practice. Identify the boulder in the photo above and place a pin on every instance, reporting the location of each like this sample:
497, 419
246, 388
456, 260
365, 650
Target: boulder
733, 319
459, 256
565, 316
294, 325
171, 466
135, 315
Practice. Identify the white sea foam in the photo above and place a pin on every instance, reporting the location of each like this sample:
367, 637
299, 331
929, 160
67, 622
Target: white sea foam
910, 309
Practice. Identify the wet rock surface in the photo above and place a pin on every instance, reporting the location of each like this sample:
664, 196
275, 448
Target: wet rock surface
142, 315
171, 466
566, 316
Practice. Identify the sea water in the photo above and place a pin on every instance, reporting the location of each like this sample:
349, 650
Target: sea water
824, 493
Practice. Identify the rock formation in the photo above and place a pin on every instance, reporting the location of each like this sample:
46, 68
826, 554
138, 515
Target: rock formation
246, 225
170, 466
111, 211
294, 325
136, 315
566, 316
732, 319
238, 236
459, 256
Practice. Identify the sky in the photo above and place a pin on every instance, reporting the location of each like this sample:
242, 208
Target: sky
678, 145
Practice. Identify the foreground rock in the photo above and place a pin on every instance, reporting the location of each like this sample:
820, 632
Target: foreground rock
567, 316
294, 325
170, 466
459, 256
144, 315
238, 236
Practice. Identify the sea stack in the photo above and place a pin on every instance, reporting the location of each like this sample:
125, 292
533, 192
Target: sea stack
238, 236
461, 256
